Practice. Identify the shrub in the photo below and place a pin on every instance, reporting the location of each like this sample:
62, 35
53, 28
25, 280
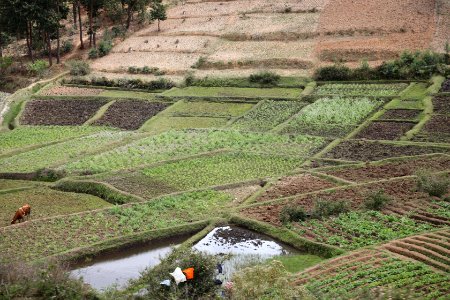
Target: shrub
67, 46
199, 63
291, 213
49, 175
269, 281
376, 201
336, 72
104, 47
38, 68
5, 63
189, 79
434, 185
49, 281
323, 208
160, 84
79, 68
93, 53
266, 78
201, 286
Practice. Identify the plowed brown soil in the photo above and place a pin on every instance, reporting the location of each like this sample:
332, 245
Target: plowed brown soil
374, 29
294, 185
130, 114
385, 130
396, 169
401, 114
368, 151
60, 112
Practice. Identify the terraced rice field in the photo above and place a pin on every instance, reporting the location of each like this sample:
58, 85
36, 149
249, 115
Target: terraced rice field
264, 154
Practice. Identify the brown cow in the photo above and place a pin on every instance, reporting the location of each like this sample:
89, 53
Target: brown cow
21, 213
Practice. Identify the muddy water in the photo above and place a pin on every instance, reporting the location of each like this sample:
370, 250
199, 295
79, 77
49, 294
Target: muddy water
116, 268
241, 247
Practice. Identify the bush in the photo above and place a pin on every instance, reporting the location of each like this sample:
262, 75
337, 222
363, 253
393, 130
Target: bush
269, 281
104, 47
79, 68
201, 286
409, 66
292, 213
49, 281
49, 175
376, 201
434, 185
5, 63
336, 72
323, 208
67, 46
93, 53
266, 78
38, 68
160, 84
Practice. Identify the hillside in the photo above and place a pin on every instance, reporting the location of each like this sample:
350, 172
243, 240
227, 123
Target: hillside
235, 38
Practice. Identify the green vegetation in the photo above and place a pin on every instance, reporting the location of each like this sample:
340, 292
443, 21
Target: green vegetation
350, 89
298, 262
43, 281
417, 65
220, 169
201, 287
175, 144
265, 78
127, 94
14, 184
194, 91
46, 202
28, 136
267, 115
145, 70
78, 67
163, 123
38, 68
127, 84
390, 272
209, 109
242, 82
434, 185
323, 208
331, 116
292, 213
376, 201
269, 281
354, 230
60, 153
56, 235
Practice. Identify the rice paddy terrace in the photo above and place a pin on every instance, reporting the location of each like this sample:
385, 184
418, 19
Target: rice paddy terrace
291, 37
103, 168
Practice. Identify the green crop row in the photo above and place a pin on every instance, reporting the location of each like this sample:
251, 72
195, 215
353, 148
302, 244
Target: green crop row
212, 109
47, 203
176, 144
52, 155
27, 136
391, 274
220, 169
360, 229
268, 115
194, 91
328, 113
360, 89
43, 238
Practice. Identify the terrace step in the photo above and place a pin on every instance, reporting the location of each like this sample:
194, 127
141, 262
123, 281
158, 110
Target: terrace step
431, 247
323, 269
430, 220
413, 247
441, 243
416, 256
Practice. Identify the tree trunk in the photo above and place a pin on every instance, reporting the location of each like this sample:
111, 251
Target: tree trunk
129, 15
30, 40
74, 11
49, 49
58, 48
94, 38
90, 22
159, 29
81, 26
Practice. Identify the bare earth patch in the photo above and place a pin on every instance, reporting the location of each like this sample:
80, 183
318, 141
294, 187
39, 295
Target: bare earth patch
70, 91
